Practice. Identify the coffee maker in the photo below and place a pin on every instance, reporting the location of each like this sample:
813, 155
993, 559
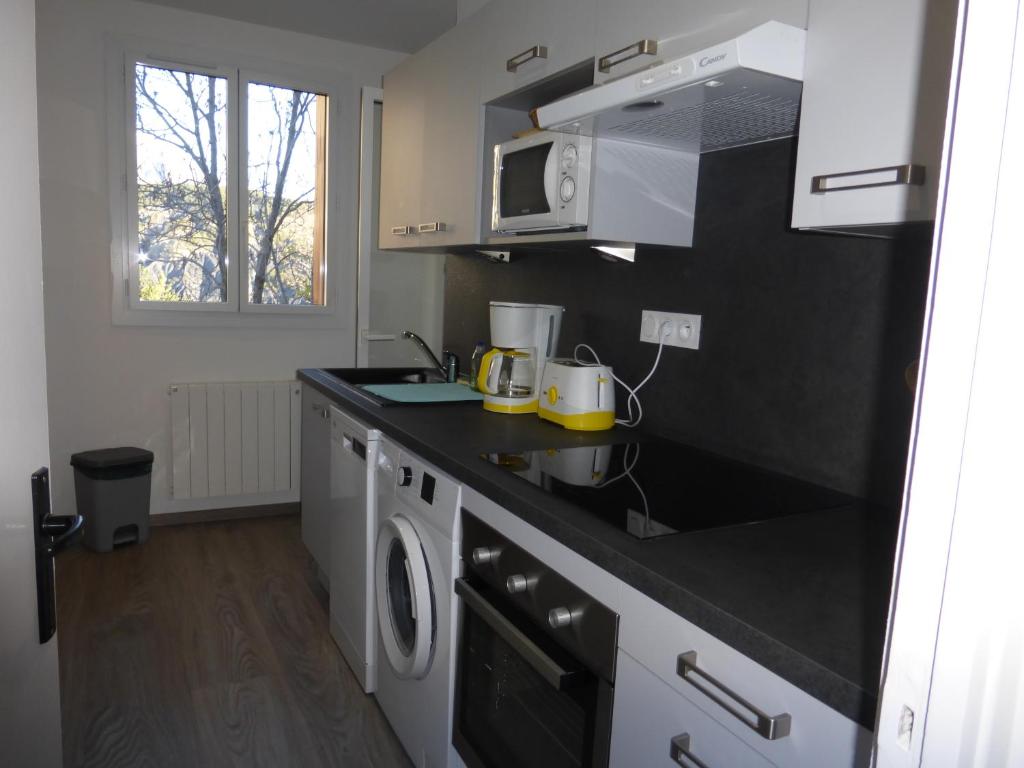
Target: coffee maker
524, 337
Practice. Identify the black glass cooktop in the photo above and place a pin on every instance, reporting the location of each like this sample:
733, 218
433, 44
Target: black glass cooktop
657, 488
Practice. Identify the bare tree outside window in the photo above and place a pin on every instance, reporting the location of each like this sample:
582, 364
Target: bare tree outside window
181, 158
181, 139
286, 147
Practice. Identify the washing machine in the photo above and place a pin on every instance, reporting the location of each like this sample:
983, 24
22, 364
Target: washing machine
416, 566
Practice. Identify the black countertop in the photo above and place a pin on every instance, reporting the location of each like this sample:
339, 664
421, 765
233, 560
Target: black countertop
805, 596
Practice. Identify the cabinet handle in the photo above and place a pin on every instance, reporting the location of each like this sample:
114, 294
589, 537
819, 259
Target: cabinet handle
770, 727
680, 748
890, 176
639, 48
536, 52
403, 231
433, 226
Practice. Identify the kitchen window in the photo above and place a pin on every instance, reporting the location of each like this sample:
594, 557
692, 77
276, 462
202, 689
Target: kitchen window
225, 200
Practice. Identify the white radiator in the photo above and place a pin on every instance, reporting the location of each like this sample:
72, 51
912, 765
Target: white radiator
234, 439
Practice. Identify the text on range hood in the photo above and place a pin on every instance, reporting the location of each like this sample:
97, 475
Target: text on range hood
742, 91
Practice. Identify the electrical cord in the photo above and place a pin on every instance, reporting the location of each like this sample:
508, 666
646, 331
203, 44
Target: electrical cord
630, 420
628, 465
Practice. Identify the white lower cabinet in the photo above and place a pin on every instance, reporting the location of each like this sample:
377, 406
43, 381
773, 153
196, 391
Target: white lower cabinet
653, 704
818, 737
654, 726
315, 494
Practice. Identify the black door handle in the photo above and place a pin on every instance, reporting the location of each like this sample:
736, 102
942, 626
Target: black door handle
52, 535
64, 529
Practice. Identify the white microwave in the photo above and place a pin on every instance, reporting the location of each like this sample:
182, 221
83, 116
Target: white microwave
541, 183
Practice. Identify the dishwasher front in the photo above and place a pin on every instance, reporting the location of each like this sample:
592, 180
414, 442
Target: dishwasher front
353, 531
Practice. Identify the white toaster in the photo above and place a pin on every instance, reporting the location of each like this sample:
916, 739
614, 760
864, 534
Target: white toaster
577, 395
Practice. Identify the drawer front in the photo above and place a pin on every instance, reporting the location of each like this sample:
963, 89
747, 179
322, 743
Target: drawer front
819, 737
649, 714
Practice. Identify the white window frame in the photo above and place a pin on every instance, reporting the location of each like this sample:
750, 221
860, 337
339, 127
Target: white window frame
340, 252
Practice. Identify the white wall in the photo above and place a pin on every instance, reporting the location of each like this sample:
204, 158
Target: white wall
108, 385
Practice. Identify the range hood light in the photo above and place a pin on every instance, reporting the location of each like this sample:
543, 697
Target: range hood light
616, 253
641, 106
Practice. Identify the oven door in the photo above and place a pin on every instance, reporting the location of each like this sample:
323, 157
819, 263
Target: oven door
526, 182
520, 699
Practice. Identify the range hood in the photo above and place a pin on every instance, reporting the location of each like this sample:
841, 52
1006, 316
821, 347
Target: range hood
739, 92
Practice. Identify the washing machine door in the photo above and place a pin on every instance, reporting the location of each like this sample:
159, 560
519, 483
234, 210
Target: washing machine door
405, 598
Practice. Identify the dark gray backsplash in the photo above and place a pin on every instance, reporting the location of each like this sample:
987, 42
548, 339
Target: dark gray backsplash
805, 336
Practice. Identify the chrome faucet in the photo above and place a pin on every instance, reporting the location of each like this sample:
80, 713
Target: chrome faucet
450, 368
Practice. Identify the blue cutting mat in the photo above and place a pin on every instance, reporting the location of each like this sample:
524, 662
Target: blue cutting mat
423, 393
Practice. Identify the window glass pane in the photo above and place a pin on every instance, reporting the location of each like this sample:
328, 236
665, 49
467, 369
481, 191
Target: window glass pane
287, 148
181, 173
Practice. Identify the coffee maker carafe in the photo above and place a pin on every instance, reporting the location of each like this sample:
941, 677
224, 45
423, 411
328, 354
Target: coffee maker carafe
524, 337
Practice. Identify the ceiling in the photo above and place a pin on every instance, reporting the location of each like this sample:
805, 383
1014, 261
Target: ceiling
398, 25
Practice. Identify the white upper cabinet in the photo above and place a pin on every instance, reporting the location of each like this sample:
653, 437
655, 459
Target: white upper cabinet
631, 36
450, 186
876, 82
401, 159
531, 39
430, 145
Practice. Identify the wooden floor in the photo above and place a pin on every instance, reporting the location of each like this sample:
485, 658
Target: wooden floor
208, 646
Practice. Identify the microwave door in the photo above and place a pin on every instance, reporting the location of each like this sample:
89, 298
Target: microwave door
526, 188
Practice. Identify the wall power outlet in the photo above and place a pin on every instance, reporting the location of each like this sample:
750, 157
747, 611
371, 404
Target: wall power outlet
678, 330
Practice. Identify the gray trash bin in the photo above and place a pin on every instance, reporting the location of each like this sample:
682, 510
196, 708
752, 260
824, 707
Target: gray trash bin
112, 492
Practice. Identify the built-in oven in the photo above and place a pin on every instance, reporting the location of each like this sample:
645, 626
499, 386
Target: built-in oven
536, 661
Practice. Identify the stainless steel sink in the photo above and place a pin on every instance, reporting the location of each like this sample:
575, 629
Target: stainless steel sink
357, 376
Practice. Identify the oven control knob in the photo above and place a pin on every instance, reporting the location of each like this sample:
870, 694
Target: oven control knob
485, 555
405, 476
559, 617
516, 583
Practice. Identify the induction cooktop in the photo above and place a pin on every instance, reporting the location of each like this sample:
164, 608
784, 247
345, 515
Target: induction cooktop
654, 488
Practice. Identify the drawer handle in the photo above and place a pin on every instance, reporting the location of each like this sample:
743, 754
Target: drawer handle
433, 226
770, 727
536, 52
681, 749
402, 231
639, 48
890, 176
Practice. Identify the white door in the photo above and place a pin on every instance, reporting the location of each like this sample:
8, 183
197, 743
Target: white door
397, 290
953, 684
29, 689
